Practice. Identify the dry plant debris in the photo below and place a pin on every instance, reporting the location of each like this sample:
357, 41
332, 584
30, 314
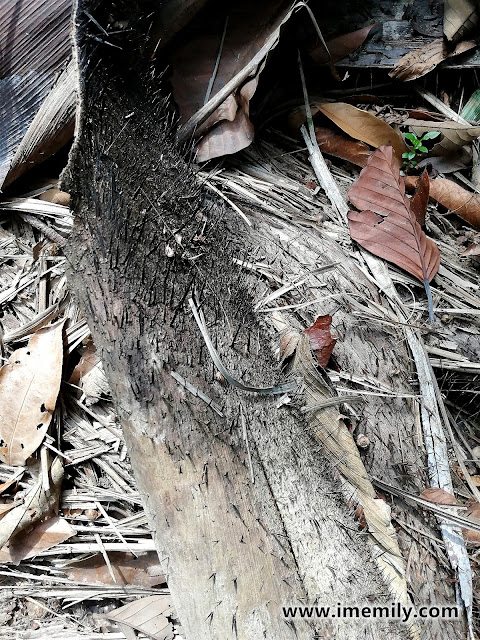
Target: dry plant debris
72, 526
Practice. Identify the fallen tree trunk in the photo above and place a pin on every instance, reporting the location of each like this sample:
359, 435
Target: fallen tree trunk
246, 500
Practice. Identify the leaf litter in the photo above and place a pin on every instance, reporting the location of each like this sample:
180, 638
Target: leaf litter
91, 444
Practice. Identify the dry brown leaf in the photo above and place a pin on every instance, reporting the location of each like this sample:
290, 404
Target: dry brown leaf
144, 571
342, 146
419, 62
439, 496
386, 226
447, 163
250, 28
454, 135
460, 18
288, 343
419, 200
148, 615
340, 47
87, 362
29, 387
321, 340
473, 512
364, 126
45, 535
455, 198
37, 504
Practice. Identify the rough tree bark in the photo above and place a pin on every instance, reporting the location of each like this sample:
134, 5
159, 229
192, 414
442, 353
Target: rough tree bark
146, 240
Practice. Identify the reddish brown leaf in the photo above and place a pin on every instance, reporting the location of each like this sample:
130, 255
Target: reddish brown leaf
455, 198
321, 340
144, 570
364, 126
420, 61
342, 146
419, 200
386, 225
340, 47
439, 496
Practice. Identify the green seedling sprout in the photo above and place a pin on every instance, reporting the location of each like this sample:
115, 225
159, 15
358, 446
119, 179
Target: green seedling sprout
417, 144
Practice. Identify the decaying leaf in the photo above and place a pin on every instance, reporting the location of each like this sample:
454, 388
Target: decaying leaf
439, 496
143, 570
288, 343
342, 146
364, 126
419, 200
454, 135
454, 198
450, 163
37, 504
340, 46
321, 340
29, 387
45, 535
419, 62
251, 32
148, 615
460, 18
386, 225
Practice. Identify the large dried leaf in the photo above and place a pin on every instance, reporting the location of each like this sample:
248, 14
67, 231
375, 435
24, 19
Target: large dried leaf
421, 61
342, 146
44, 536
419, 200
460, 18
439, 496
386, 225
364, 126
321, 340
340, 46
29, 387
450, 163
148, 615
454, 134
252, 28
143, 570
455, 198
34, 47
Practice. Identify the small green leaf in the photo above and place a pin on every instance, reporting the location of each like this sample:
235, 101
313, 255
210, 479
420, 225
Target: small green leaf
422, 149
430, 135
411, 155
413, 163
404, 155
411, 136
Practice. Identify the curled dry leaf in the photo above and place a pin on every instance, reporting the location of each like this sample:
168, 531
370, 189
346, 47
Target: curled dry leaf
252, 30
339, 47
460, 18
419, 200
419, 62
455, 198
321, 340
455, 161
454, 135
29, 387
386, 225
342, 146
143, 570
439, 496
364, 126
